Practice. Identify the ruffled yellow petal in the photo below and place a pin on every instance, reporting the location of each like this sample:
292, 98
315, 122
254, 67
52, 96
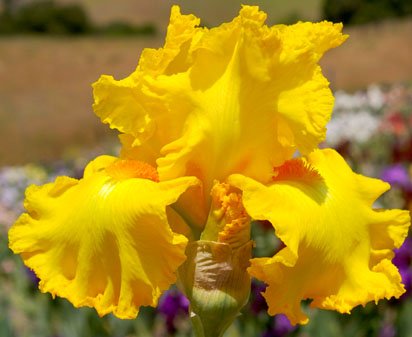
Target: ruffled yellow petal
338, 250
119, 104
131, 105
103, 241
243, 95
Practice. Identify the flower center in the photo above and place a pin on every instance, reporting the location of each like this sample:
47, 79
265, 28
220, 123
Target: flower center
228, 221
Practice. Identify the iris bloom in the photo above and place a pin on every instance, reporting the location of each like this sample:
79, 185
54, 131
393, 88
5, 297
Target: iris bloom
218, 127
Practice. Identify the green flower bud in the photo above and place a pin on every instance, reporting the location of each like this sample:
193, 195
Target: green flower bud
215, 280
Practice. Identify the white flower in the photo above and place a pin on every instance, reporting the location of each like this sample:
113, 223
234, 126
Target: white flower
351, 126
375, 96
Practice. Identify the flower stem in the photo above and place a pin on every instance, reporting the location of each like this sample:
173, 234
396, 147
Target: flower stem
200, 330
197, 326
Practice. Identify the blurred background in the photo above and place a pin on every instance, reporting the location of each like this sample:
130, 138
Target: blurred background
51, 52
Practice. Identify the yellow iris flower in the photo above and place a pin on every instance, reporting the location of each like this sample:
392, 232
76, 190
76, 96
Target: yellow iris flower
210, 125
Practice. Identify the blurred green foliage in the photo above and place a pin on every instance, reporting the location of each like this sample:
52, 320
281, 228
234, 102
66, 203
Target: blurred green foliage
45, 17
49, 17
363, 11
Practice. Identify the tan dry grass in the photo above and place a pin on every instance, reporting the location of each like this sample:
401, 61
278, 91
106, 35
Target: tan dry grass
46, 94
46, 98
374, 53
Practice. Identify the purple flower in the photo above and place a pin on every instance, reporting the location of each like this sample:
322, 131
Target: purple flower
173, 304
257, 301
281, 327
32, 277
397, 175
403, 260
387, 330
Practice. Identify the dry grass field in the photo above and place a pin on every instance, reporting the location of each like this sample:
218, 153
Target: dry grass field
46, 98
46, 95
374, 53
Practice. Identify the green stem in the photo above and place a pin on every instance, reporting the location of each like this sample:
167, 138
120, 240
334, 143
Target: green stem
199, 330
197, 326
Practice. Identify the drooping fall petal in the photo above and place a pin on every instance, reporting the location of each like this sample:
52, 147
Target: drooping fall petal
338, 250
103, 241
244, 95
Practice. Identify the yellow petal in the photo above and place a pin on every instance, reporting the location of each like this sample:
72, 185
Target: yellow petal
248, 107
243, 95
130, 105
338, 250
103, 241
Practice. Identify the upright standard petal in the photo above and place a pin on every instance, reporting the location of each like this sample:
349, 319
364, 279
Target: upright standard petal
338, 250
244, 95
103, 241
131, 106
